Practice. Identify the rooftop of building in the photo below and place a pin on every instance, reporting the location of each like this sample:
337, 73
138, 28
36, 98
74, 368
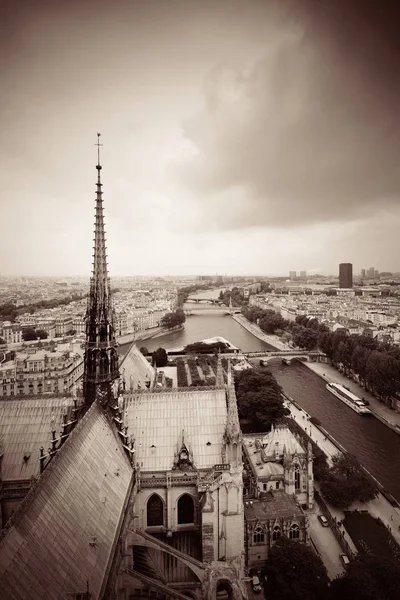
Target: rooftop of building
25, 426
135, 369
158, 420
273, 505
62, 540
265, 451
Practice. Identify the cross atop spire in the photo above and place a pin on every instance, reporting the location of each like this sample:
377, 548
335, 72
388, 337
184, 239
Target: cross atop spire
98, 166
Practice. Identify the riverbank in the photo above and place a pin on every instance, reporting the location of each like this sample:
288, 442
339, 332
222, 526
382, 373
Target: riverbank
147, 334
379, 507
272, 340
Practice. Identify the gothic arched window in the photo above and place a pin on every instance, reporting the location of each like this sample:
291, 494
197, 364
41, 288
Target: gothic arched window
185, 509
276, 533
294, 532
297, 478
155, 511
258, 536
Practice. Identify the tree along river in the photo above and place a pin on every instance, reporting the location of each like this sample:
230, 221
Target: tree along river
376, 446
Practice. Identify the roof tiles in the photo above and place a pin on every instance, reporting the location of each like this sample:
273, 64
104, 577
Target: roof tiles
135, 369
25, 426
158, 419
66, 526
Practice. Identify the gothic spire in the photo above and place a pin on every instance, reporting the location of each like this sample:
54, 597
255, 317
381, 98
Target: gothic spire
99, 276
101, 360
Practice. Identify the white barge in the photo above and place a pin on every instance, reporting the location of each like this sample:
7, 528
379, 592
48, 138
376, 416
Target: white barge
348, 398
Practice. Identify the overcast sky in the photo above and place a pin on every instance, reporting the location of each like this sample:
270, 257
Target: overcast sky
240, 136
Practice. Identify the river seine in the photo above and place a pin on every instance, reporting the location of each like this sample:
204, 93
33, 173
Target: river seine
376, 446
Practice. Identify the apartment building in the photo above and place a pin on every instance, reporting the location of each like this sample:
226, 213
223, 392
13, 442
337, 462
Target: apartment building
41, 372
48, 325
63, 325
11, 334
78, 325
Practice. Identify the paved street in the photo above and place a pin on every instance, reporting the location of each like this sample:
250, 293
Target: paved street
326, 544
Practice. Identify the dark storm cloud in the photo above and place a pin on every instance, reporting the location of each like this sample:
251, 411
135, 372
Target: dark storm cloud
311, 132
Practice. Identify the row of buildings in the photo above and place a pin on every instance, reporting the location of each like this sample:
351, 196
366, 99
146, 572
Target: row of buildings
380, 315
345, 275
57, 369
135, 311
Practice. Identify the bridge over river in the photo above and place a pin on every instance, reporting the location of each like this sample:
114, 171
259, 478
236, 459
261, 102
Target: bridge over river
205, 300
211, 307
201, 305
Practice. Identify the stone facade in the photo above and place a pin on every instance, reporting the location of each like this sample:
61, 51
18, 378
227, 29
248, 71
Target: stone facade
194, 505
41, 372
278, 482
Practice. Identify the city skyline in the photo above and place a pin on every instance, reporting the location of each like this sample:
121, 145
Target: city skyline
234, 140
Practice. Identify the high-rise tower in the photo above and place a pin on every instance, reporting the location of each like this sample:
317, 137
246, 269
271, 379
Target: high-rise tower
101, 358
346, 275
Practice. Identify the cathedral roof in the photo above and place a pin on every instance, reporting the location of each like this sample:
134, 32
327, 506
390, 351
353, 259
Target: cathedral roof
25, 426
275, 505
269, 469
157, 420
135, 369
280, 439
65, 529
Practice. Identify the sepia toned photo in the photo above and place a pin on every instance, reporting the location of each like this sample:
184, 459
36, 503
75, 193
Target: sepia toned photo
199, 367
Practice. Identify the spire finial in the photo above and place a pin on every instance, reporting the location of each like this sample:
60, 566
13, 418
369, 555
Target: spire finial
98, 150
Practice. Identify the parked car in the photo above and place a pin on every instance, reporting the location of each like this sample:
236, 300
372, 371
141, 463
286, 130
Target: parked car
256, 585
345, 560
323, 520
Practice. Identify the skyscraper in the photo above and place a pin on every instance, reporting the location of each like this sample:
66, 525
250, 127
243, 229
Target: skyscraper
363, 272
345, 275
292, 274
101, 358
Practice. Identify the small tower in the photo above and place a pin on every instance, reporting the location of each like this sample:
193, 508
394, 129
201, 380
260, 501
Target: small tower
219, 378
101, 358
233, 434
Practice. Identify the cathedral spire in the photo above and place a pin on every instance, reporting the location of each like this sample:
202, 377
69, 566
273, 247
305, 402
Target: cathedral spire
101, 359
99, 276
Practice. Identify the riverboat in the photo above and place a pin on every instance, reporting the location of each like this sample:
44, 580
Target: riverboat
348, 398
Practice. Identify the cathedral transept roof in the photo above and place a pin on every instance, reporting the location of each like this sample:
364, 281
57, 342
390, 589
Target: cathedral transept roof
157, 420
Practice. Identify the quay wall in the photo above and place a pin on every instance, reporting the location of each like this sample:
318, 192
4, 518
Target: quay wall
273, 340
